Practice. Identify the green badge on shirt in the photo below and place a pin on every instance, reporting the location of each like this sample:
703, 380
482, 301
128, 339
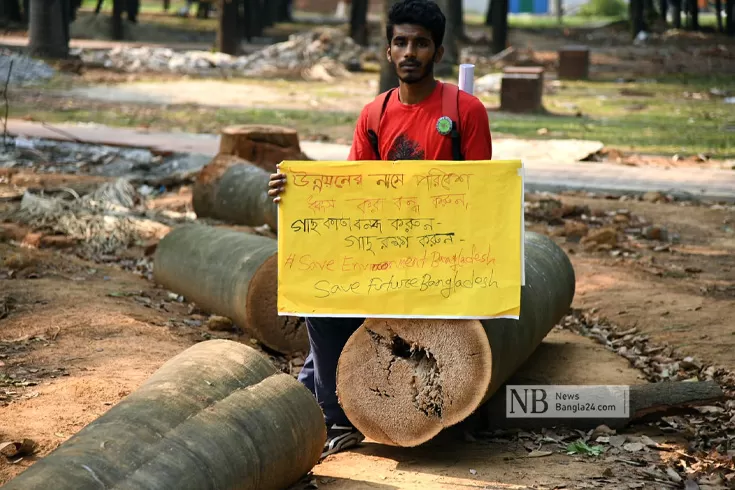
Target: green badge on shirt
444, 125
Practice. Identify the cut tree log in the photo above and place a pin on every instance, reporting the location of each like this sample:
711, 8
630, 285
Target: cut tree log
401, 381
217, 416
233, 190
263, 145
230, 274
647, 401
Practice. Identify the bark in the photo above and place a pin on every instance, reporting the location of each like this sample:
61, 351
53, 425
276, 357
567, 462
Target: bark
228, 39
457, 15
647, 401
48, 35
218, 415
718, 15
676, 13
489, 13
358, 22
693, 15
231, 274
262, 145
451, 47
730, 13
234, 191
388, 75
401, 382
664, 8
500, 25
117, 24
637, 16
11, 10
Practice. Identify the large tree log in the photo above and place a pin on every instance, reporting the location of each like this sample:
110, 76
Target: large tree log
401, 381
232, 274
264, 146
647, 401
235, 191
217, 416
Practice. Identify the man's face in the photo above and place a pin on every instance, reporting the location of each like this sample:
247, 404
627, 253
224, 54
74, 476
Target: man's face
413, 53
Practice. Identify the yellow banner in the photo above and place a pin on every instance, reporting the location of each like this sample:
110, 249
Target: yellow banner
401, 239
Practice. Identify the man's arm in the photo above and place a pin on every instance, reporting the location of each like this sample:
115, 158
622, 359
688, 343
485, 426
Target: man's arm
475, 127
361, 147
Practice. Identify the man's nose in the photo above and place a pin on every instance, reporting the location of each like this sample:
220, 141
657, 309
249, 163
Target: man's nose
410, 50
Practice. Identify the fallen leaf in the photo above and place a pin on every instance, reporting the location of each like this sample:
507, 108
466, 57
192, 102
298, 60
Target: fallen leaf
648, 441
633, 447
673, 475
539, 454
617, 441
473, 472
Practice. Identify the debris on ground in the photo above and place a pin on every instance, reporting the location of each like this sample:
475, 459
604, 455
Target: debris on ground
102, 223
322, 54
710, 430
25, 70
140, 166
619, 232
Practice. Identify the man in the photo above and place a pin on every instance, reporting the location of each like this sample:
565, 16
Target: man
409, 129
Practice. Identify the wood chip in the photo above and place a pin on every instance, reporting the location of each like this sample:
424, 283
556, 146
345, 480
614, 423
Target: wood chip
633, 447
673, 475
539, 454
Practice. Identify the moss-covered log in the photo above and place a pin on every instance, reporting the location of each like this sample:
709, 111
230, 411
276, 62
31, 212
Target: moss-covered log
217, 416
233, 190
232, 274
401, 381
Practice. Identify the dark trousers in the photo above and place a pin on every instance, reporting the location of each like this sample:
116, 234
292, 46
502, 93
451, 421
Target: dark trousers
327, 338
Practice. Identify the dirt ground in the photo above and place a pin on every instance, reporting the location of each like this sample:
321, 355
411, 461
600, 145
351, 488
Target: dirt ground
77, 336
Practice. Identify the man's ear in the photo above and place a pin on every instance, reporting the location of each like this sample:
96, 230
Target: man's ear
388, 55
439, 54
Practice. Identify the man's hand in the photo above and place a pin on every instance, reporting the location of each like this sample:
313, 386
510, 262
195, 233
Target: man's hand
277, 185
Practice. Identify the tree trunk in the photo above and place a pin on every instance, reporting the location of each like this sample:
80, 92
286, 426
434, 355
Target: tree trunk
718, 14
218, 415
647, 401
262, 145
231, 274
451, 48
489, 13
253, 18
676, 13
358, 22
730, 16
401, 381
637, 16
457, 15
664, 8
693, 15
234, 191
203, 9
228, 39
649, 11
388, 75
284, 11
118, 32
500, 25
11, 10
48, 35
559, 12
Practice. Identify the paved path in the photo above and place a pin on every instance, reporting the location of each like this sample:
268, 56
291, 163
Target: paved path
541, 175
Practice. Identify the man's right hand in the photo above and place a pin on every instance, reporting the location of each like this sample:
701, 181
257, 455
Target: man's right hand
277, 185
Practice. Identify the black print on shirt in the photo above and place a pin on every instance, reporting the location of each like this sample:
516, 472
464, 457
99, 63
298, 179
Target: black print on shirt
404, 148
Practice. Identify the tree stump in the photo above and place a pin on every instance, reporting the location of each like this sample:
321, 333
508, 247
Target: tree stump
574, 63
262, 145
522, 89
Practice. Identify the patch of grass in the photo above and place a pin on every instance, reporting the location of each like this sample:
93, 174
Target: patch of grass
655, 118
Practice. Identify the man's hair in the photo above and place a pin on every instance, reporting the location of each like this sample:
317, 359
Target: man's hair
424, 13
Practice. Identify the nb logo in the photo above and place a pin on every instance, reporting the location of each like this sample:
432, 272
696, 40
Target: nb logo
526, 400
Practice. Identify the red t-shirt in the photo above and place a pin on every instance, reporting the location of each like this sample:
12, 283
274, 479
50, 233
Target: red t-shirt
408, 132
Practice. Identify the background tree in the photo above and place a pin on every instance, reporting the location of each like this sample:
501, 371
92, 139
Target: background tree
388, 75
637, 17
730, 16
499, 25
48, 35
228, 37
359, 22
451, 47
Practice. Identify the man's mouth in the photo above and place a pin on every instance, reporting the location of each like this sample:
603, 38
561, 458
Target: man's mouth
410, 66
